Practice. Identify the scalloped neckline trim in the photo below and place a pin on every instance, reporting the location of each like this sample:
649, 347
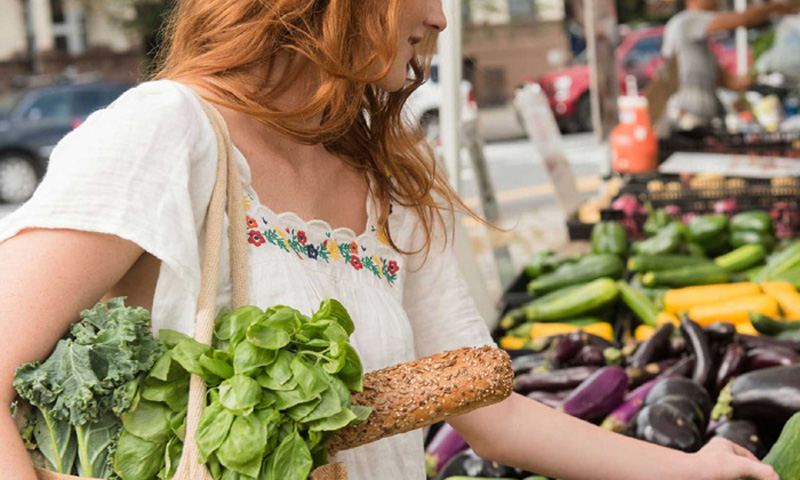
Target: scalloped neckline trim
316, 224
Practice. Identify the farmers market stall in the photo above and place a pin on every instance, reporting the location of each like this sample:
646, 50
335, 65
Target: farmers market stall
673, 326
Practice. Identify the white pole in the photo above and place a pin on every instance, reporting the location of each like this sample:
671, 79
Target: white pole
450, 80
741, 41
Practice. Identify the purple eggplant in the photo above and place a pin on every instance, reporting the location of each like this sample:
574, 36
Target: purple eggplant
677, 347
526, 363
722, 332
543, 343
653, 349
732, 364
697, 338
598, 395
682, 387
745, 434
567, 348
468, 464
665, 425
590, 355
762, 357
554, 381
444, 445
551, 399
623, 414
751, 342
689, 408
639, 376
683, 368
769, 396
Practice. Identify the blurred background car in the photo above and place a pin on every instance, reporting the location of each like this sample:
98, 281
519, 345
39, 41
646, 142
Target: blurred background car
35, 122
424, 103
638, 54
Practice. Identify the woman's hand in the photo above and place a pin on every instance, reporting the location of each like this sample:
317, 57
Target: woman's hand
724, 460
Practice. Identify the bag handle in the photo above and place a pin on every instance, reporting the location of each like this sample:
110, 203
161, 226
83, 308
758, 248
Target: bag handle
226, 187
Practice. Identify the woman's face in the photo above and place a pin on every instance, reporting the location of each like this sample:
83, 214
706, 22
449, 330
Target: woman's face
416, 18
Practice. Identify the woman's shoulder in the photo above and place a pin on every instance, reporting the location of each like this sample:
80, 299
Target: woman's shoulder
164, 100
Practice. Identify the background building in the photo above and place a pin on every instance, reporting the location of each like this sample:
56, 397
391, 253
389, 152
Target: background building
40, 39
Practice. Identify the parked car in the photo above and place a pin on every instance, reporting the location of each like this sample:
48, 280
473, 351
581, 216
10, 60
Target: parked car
38, 120
639, 54
423, 105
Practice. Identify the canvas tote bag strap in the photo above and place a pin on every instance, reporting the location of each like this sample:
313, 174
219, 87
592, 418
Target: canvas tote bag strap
227, 190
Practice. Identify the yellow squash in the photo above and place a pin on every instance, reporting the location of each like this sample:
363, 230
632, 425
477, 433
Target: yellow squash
734, 311
682, 299
601, 329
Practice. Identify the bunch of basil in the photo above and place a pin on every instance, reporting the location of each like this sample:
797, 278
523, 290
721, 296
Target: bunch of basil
279, 382
79, 392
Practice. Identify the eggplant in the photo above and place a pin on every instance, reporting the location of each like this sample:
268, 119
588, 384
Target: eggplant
653, 349
689, 408
543, 343
444, 446
745, 434
750, 342
722, 332
683, 368
665, 425
553, 381
567, 348
526, 363
551, 399
638, 376
590, 355
468, 464
623, 414
769, 396
733, 363
682, 387
760, 358
677, 347
598, 395
697, 338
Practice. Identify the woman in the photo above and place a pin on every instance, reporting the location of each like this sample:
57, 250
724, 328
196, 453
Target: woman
312, 93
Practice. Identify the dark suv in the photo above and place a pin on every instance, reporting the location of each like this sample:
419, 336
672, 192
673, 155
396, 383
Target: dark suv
33, 126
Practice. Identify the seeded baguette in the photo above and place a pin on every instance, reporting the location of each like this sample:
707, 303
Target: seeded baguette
426, 391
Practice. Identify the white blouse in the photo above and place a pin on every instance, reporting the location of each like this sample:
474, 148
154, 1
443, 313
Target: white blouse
144, 169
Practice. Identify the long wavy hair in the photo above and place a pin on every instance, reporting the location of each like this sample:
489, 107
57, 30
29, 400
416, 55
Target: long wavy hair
350, 44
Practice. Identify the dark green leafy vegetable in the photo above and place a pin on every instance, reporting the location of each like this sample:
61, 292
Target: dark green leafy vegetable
90, 379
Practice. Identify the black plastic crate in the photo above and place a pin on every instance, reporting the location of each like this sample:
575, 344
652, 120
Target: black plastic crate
578, 230
777, 144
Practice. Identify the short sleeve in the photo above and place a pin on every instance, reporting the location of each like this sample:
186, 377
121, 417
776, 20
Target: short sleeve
133, 170
696, 26
436, 298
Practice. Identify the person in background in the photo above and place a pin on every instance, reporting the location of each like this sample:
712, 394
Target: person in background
695, 104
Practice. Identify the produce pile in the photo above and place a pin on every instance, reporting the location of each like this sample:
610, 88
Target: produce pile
111, 400
690, 333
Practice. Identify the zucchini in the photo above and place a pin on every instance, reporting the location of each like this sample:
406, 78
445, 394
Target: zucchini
769, 326
736, 311
639, 304
517, 316
589, 268
742, 258
784, 454
704, 274
780, 263
791, 276
588, 298
694, 250
609, 237
654, 263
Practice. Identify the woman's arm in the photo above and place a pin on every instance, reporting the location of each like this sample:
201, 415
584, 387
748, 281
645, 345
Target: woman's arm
522, 433
47, 278
731, 81
753, 16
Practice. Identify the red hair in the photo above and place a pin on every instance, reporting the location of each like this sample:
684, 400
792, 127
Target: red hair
350, 44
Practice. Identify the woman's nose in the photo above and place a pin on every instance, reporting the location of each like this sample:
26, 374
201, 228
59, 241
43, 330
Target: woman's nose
436, 20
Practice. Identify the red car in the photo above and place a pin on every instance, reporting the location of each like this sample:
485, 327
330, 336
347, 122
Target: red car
639, 55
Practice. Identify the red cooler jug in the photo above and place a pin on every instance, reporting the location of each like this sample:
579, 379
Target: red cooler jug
634, 146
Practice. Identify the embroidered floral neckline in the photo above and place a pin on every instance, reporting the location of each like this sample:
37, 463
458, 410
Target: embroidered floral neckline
317, 241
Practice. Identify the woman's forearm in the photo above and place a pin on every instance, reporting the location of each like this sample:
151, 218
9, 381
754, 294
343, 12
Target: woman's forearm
14, 457
525, 434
